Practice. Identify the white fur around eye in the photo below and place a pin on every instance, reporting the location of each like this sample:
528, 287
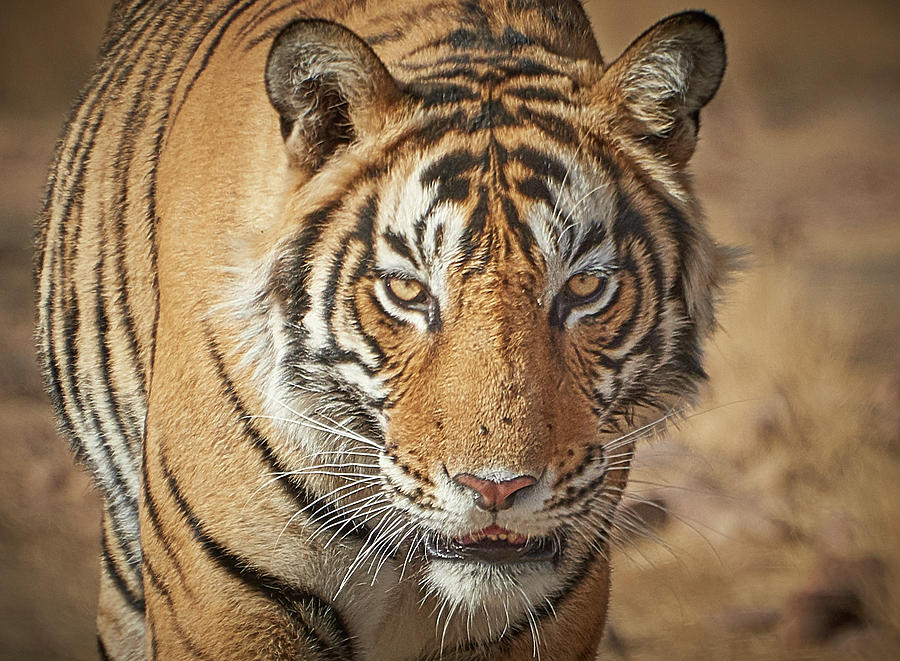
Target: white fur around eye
418, 318
407, 290
579, 312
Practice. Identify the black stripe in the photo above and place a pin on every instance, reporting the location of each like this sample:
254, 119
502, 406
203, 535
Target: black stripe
593, 237
449, 166
157, 584
332, 308
535, 93
291, 274
441, 94
111, 73
475, 227
298, 494
296, 603
523, 232
70, 354
50, 360
151, 625
104, 368
134, 124
136, 602
623, 332
552, 125
629, 224
535, 188
507, 66
541, 163
364, 233
398, 245
207, 56
152, 510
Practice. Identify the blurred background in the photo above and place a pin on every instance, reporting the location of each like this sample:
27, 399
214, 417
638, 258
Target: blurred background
764, 526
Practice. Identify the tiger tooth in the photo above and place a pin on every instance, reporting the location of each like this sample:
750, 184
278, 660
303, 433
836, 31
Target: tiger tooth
502, 536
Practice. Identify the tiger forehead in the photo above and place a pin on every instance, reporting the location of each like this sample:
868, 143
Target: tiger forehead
496, 200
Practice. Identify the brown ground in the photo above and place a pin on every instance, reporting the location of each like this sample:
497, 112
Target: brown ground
782, 537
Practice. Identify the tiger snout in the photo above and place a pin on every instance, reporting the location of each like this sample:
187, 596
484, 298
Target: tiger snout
493, 495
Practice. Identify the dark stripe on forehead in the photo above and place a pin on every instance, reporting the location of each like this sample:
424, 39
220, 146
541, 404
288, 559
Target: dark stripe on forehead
505, 65
475, 227
492, 114
523, 232
450, 166
535, 188
535, 93
552, 125
540, 162
440, 94
447, 173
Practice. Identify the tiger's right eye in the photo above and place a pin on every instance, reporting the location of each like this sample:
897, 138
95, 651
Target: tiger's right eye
586, 285
406, 291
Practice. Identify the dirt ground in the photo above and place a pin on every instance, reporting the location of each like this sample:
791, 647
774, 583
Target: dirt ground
767, 524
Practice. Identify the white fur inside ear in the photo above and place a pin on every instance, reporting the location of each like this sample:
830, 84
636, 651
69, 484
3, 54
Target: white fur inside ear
668, 74
657, 85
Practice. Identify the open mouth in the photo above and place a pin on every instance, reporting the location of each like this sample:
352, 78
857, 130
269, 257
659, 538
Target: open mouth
495, 545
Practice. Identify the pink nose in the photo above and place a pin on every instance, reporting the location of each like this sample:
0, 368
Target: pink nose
493, 495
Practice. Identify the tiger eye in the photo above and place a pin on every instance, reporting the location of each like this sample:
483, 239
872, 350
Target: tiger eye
584, 285
406, 291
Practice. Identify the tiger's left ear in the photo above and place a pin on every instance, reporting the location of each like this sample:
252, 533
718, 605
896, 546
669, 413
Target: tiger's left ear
664, 77
328, 87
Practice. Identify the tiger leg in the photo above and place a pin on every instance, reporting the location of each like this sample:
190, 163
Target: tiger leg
211, 589
120, 615
206, 601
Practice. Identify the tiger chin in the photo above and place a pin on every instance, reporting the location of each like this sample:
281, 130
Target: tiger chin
356, 312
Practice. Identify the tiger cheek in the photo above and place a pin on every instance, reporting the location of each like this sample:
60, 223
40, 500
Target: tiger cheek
605, 329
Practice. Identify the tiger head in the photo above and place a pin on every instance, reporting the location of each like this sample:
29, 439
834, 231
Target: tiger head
492, 279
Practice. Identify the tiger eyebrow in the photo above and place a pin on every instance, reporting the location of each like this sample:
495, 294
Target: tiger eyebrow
593, 237
399, 245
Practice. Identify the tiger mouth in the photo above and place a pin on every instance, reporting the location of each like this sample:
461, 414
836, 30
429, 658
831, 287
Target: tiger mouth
494, 546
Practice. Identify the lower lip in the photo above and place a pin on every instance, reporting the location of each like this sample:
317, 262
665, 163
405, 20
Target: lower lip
535, 550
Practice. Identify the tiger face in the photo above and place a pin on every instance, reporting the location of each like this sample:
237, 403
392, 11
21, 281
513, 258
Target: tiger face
490, 310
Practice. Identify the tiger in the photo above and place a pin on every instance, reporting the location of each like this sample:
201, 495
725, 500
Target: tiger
356, 311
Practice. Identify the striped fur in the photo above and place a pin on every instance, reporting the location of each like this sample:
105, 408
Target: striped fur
278, 435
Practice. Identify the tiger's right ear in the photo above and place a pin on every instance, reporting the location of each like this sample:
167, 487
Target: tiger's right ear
328, 87
665, 77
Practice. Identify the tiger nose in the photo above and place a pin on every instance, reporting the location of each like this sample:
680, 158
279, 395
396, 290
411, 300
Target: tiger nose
493, 495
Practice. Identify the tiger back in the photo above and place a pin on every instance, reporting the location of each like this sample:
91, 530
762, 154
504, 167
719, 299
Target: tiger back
356, 310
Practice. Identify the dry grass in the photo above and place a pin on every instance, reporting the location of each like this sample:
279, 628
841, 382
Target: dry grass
789, 468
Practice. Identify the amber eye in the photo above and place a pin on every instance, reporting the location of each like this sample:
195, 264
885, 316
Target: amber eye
585, 285
406, 291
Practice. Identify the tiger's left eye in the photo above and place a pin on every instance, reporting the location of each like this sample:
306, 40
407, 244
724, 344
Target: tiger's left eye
406, 291
585, 285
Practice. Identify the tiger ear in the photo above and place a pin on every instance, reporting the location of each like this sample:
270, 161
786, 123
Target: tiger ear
665, 76
328, 87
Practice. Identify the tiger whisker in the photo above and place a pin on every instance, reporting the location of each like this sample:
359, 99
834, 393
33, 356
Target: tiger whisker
319, 499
